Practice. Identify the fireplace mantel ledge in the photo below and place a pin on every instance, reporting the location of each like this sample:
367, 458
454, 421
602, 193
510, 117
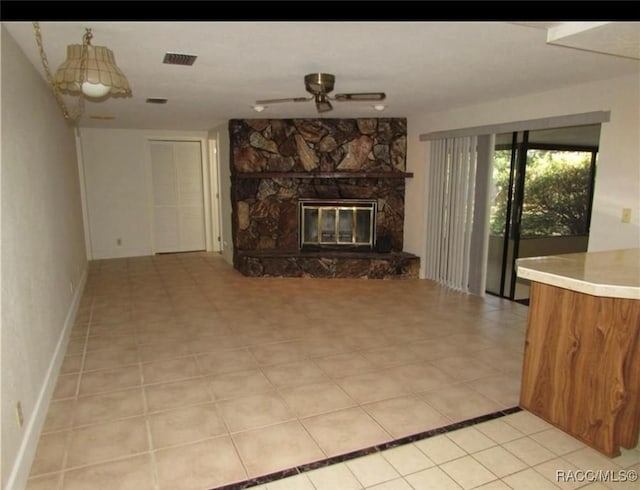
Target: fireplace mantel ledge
323, 175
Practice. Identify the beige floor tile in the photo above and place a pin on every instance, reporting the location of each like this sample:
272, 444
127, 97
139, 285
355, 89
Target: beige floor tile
210, 344
500, 461
588, 459
45, 482
317, 398
169, 370
526, 422
177, 394
422, 376
494, 485
345, 430
205, 464
109, 440
501, 358
76, 346
185, 425
99, 342
50, 453
113, 357
297, 482
372, 469
159, 351
432, 478
397, 484
432, 349
440, 449
94, 382
528, 451
276, 447
71, 364
503, 389
295, 373
464, 368
127, 474
59, 415
499, 431
557, 441
405, 416
323, 346
529, 479
208, 335
333, 477
66, 386
108, 406
458, 402
470, 439
407, 459
254, 411
342, 365
561, 473
226, 361
278, 353
239, 383
628, 457
372, 386
467, 472
395, 355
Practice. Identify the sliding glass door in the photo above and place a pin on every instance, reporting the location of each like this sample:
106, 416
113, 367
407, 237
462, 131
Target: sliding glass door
542, 195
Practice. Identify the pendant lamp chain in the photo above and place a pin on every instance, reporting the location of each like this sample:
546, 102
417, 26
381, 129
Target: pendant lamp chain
77, 112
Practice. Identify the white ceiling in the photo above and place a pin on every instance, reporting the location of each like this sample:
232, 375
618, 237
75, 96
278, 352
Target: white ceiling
422, 66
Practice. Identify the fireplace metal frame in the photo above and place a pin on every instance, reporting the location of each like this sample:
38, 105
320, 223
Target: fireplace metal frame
335, 206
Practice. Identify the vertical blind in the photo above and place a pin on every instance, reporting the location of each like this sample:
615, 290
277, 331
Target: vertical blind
451, 187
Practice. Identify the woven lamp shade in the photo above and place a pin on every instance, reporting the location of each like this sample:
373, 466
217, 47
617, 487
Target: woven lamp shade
99, 68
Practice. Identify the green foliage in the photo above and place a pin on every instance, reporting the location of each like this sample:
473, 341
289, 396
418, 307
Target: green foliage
556, 196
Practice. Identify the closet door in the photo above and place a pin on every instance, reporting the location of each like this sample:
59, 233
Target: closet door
178, 198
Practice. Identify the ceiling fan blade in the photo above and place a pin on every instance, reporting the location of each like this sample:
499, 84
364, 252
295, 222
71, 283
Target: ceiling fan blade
277, 101
361, 96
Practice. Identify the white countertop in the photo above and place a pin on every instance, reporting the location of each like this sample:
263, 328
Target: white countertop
613, 274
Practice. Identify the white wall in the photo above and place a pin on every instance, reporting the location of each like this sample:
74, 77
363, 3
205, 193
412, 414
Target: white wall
43, 253
618, 172
221, 135
117, 184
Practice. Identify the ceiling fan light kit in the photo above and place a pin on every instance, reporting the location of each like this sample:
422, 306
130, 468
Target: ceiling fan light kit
319, 85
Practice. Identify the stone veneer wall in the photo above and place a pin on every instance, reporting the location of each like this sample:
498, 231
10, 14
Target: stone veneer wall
275, 162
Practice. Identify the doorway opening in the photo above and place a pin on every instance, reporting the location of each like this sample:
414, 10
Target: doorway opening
541, 203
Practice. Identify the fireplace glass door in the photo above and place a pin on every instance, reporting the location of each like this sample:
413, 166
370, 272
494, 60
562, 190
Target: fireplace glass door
337, 224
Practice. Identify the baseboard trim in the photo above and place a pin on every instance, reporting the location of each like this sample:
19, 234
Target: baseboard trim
33, 428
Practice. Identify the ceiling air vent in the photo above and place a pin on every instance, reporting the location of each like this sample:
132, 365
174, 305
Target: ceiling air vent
179, 59
156, 100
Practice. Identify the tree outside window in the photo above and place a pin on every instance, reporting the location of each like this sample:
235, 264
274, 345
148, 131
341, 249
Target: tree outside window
556, 193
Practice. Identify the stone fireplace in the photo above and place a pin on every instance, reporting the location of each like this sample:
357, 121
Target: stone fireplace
319, 197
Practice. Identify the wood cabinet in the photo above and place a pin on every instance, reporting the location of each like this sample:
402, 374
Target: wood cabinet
582, 365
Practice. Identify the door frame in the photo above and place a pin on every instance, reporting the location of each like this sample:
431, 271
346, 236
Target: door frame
209, 188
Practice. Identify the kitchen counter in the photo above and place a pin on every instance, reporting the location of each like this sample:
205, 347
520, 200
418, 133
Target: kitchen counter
581, 367
613, 274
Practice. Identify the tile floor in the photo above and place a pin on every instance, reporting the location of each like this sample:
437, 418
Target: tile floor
180, 373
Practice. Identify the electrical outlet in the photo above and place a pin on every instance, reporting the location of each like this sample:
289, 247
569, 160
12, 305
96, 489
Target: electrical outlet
19, 415
119, 242
626, 215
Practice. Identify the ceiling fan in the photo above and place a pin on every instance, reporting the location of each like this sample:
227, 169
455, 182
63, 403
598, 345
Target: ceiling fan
319, 85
